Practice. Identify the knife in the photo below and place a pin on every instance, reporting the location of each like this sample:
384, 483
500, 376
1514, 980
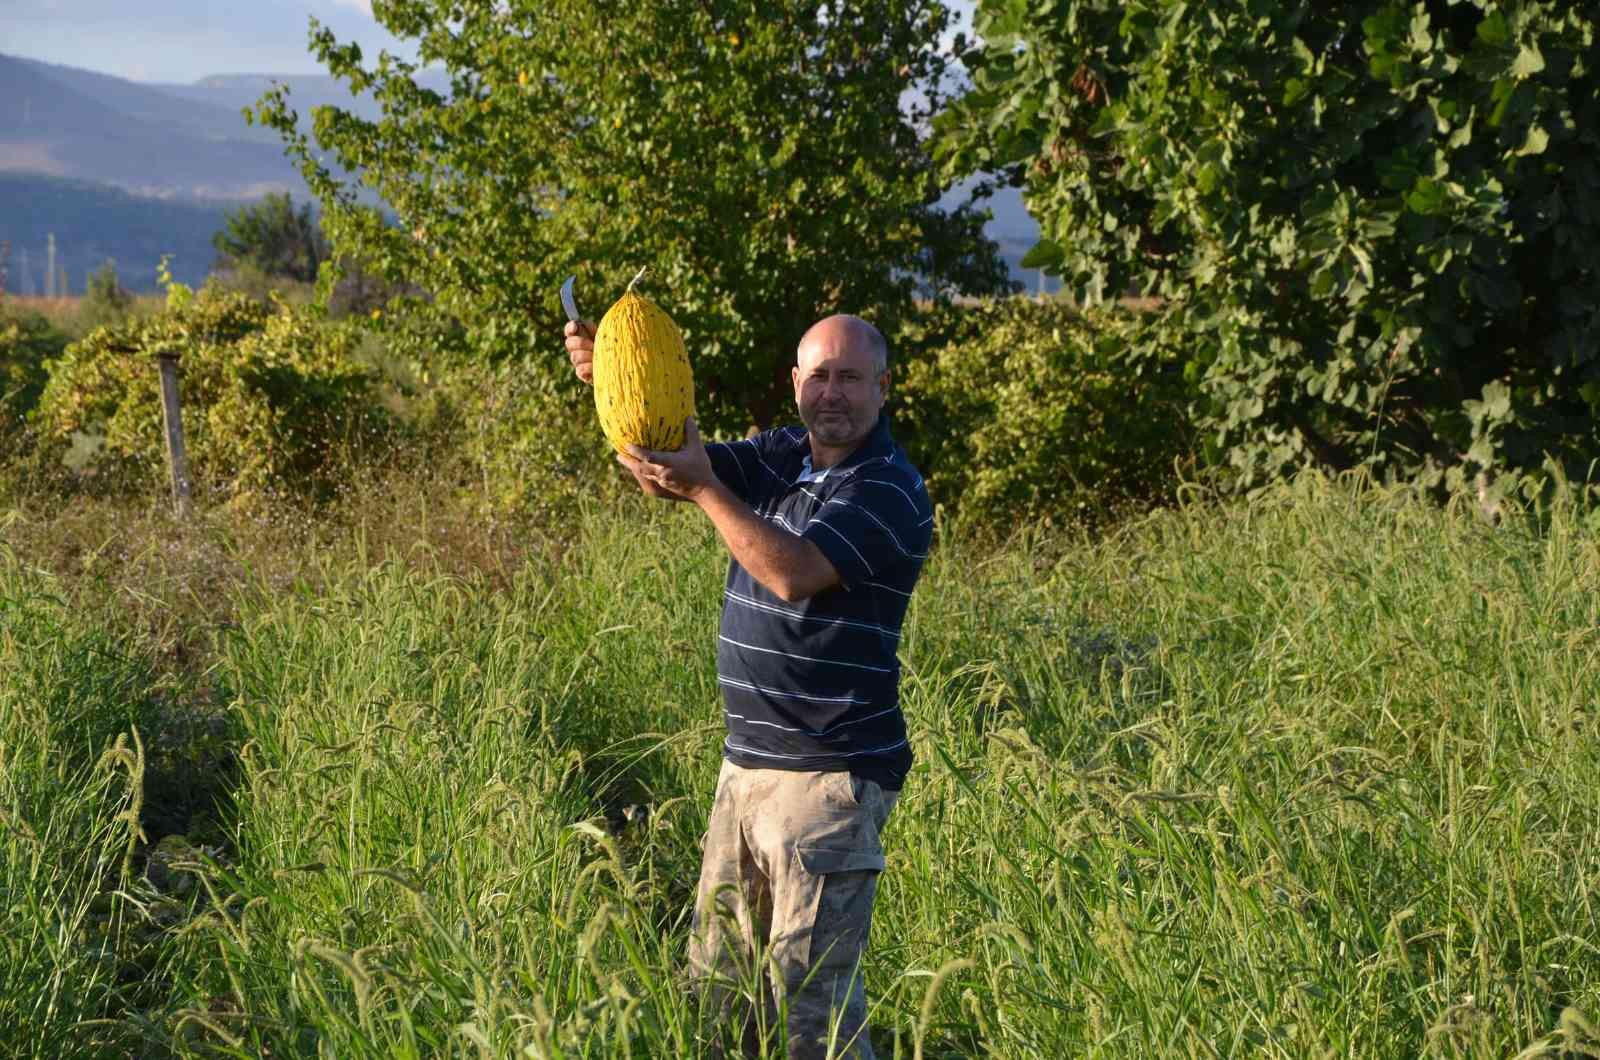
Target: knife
567, 301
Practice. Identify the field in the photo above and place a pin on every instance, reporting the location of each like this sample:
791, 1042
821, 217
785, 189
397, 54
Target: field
74, 315
1311, 775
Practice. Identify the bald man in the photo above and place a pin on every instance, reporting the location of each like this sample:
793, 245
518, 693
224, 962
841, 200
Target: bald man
828, 525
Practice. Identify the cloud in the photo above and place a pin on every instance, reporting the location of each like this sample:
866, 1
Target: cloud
364, 6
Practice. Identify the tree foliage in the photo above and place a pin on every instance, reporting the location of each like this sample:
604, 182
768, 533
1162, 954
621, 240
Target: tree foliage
105, 301
1373, 222
1024, 413
274, 399
274, 237
27, 342
766, 161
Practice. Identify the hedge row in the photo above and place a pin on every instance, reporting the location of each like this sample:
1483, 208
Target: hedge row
1018, 410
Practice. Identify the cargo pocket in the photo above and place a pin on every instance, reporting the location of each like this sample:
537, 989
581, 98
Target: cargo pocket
824, 861
833, 908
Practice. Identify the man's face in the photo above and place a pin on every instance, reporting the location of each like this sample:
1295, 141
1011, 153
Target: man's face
837, 388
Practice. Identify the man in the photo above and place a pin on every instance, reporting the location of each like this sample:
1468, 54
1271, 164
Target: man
828, 526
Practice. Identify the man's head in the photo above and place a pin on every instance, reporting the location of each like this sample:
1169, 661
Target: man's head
840, 374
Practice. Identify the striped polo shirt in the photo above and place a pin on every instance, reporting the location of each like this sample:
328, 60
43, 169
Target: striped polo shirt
814, 685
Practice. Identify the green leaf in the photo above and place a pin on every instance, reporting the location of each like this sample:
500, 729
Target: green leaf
1044, 254
1421, 40
1428, 197
1496, 400
1536, 142
1529, 61
1492, 30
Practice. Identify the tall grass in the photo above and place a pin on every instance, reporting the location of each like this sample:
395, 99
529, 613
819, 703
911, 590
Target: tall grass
72, 697
1311, 775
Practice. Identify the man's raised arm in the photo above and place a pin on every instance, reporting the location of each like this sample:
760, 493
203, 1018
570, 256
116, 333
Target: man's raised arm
788, 566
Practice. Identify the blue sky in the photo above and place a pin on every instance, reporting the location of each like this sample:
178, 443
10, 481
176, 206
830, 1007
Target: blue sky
182, 40
185, 40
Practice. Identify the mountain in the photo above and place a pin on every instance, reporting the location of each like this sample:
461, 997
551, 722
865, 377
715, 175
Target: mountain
157, 139
164, 106
234, 92
82, 126
93, 223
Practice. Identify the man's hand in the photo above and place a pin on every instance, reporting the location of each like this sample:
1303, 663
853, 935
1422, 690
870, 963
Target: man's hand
683, 475
649, 486
580, 348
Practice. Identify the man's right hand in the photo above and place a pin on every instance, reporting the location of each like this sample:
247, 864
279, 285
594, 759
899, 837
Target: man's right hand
649, 486
580, 348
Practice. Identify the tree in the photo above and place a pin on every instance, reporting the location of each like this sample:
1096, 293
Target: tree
766, 161
1374, 222
106, 301
274, 237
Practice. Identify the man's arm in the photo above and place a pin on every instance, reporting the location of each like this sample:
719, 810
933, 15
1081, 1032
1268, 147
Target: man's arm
788, 566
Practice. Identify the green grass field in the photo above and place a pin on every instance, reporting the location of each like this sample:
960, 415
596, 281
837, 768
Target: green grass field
1313, 775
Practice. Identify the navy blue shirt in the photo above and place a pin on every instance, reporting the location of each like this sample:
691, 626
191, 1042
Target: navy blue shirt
815, 685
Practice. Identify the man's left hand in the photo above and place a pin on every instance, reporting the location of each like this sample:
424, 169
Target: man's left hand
686, 472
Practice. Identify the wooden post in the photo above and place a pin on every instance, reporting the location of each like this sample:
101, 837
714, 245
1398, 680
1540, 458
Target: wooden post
172, 417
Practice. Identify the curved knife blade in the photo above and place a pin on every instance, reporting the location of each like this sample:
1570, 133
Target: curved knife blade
567, 301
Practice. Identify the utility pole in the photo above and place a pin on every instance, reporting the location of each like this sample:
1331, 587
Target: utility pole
24, 285
50, 266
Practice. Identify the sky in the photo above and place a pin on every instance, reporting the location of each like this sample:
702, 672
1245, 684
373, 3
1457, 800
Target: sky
182, 41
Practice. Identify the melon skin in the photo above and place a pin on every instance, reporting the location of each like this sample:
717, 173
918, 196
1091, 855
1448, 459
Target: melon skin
643, 386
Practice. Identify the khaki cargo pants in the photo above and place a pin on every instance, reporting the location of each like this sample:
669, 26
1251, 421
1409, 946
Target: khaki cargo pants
787, 883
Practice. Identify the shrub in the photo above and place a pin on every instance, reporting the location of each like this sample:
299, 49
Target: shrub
274, 399
523, 443
1026, 410
27, 341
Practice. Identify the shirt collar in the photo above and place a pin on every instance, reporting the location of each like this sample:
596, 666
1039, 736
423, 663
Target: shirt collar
876, 443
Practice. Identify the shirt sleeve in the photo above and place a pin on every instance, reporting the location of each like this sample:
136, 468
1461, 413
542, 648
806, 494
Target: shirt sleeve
872, 522
730, 461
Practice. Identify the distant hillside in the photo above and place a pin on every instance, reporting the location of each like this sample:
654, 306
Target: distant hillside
93, 222
166, 106
70, 123
234, 92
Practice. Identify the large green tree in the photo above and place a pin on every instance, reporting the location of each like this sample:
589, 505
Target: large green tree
274, 237
1373, 222
767, 161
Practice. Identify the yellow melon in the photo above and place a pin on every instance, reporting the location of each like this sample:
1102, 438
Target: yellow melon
643, 387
